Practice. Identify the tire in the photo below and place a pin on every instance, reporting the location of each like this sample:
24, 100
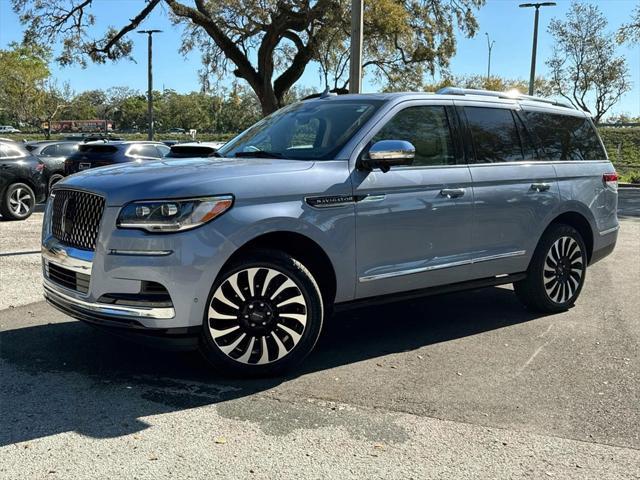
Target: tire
556, 273
18, 202
264, 315
53, 179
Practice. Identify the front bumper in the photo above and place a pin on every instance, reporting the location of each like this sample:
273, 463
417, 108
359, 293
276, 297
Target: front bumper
185, 264
118, 314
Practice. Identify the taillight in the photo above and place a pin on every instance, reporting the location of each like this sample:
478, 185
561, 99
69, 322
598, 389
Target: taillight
610, 180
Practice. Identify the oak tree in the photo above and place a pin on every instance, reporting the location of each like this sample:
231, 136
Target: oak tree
268, 43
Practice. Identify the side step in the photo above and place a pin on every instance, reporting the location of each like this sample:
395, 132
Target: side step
426, 292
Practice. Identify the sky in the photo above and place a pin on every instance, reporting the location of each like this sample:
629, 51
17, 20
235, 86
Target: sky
509, 26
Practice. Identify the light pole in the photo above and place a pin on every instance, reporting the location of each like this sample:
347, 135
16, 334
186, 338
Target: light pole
490, 45
150, 78
535, 38
355, 67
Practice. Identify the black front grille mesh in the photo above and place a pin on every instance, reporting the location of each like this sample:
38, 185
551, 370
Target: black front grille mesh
68, 278
76, 218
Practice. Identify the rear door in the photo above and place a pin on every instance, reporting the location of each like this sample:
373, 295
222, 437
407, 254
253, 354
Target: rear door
514, 193
571, 142
413, 222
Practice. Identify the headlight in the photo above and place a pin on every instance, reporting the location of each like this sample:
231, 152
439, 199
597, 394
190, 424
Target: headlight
173, 215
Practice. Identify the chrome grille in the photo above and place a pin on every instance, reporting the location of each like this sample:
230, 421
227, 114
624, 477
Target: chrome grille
76, 218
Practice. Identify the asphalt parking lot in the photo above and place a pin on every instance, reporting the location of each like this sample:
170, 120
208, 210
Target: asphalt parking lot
468, 385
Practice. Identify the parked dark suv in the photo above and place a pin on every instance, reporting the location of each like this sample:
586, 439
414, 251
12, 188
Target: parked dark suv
22, 183
102, 153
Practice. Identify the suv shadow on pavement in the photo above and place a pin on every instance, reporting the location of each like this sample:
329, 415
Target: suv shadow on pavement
68, 376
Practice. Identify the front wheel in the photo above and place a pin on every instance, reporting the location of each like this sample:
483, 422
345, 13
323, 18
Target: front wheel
264, 315
557, 271
18, 202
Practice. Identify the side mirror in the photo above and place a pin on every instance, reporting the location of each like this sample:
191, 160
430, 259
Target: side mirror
388, 153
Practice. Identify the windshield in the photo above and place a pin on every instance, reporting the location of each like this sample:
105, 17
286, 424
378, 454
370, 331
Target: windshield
312, 130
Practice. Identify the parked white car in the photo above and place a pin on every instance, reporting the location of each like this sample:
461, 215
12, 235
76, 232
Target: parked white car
8, 129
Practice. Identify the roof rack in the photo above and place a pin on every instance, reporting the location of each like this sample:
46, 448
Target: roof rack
512, 95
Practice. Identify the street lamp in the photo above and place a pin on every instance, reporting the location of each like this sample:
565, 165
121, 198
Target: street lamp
150, 78
535, 38
355, 67
490, 45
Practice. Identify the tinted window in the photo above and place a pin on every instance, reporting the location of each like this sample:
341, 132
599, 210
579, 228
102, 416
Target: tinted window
66, 149
163, 149
494, 133
10, 151
144, 151
564, 137
427, 128
50, 150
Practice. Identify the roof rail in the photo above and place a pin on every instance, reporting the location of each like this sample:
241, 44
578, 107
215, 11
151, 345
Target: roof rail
512, 95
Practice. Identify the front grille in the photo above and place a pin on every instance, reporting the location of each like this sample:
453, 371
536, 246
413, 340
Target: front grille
76, 218
67, 278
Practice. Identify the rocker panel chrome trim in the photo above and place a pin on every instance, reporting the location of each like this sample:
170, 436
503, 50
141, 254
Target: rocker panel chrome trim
413, 271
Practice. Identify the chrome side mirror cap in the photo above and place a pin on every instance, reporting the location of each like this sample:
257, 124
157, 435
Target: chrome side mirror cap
388, 153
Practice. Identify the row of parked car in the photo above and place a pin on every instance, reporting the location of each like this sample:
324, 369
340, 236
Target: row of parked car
28, 170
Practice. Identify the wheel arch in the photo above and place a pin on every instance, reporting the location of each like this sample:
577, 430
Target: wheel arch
302, 248
580, 222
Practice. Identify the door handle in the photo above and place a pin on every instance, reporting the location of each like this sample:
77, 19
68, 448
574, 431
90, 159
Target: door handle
452, 192
540, 187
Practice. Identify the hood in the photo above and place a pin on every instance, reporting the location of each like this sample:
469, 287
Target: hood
176, 178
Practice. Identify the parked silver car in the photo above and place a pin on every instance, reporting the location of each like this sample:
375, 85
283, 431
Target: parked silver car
331, 203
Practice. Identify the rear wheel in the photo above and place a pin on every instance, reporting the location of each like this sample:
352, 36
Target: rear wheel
18, 202
264, 315
557, 271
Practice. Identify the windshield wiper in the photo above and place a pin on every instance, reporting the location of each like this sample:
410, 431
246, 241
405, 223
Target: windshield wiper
259, 154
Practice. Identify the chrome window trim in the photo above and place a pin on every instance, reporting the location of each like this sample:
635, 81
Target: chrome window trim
52, 293
413, 271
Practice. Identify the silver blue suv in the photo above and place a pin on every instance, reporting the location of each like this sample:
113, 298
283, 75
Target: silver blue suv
329, 203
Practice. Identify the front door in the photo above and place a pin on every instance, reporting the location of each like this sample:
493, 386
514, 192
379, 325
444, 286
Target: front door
413, 223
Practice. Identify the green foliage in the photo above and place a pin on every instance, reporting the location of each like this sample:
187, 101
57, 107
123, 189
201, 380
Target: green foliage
584, 67
622, 144
630, 32
493, 83
23, 74
270, 43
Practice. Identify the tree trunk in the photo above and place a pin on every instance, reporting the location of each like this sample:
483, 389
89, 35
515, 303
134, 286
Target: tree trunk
268, 102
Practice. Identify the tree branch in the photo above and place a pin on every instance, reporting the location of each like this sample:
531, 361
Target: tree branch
133, 24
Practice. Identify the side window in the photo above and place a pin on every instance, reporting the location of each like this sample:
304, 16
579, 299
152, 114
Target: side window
8, 151
565, 137
427, 128
494, 133
163, 149
67, 149
50, 151
528, 146
146, 151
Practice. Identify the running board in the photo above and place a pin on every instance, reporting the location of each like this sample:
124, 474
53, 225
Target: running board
426, 292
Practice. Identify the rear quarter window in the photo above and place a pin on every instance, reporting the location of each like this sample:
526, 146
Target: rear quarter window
564, 137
